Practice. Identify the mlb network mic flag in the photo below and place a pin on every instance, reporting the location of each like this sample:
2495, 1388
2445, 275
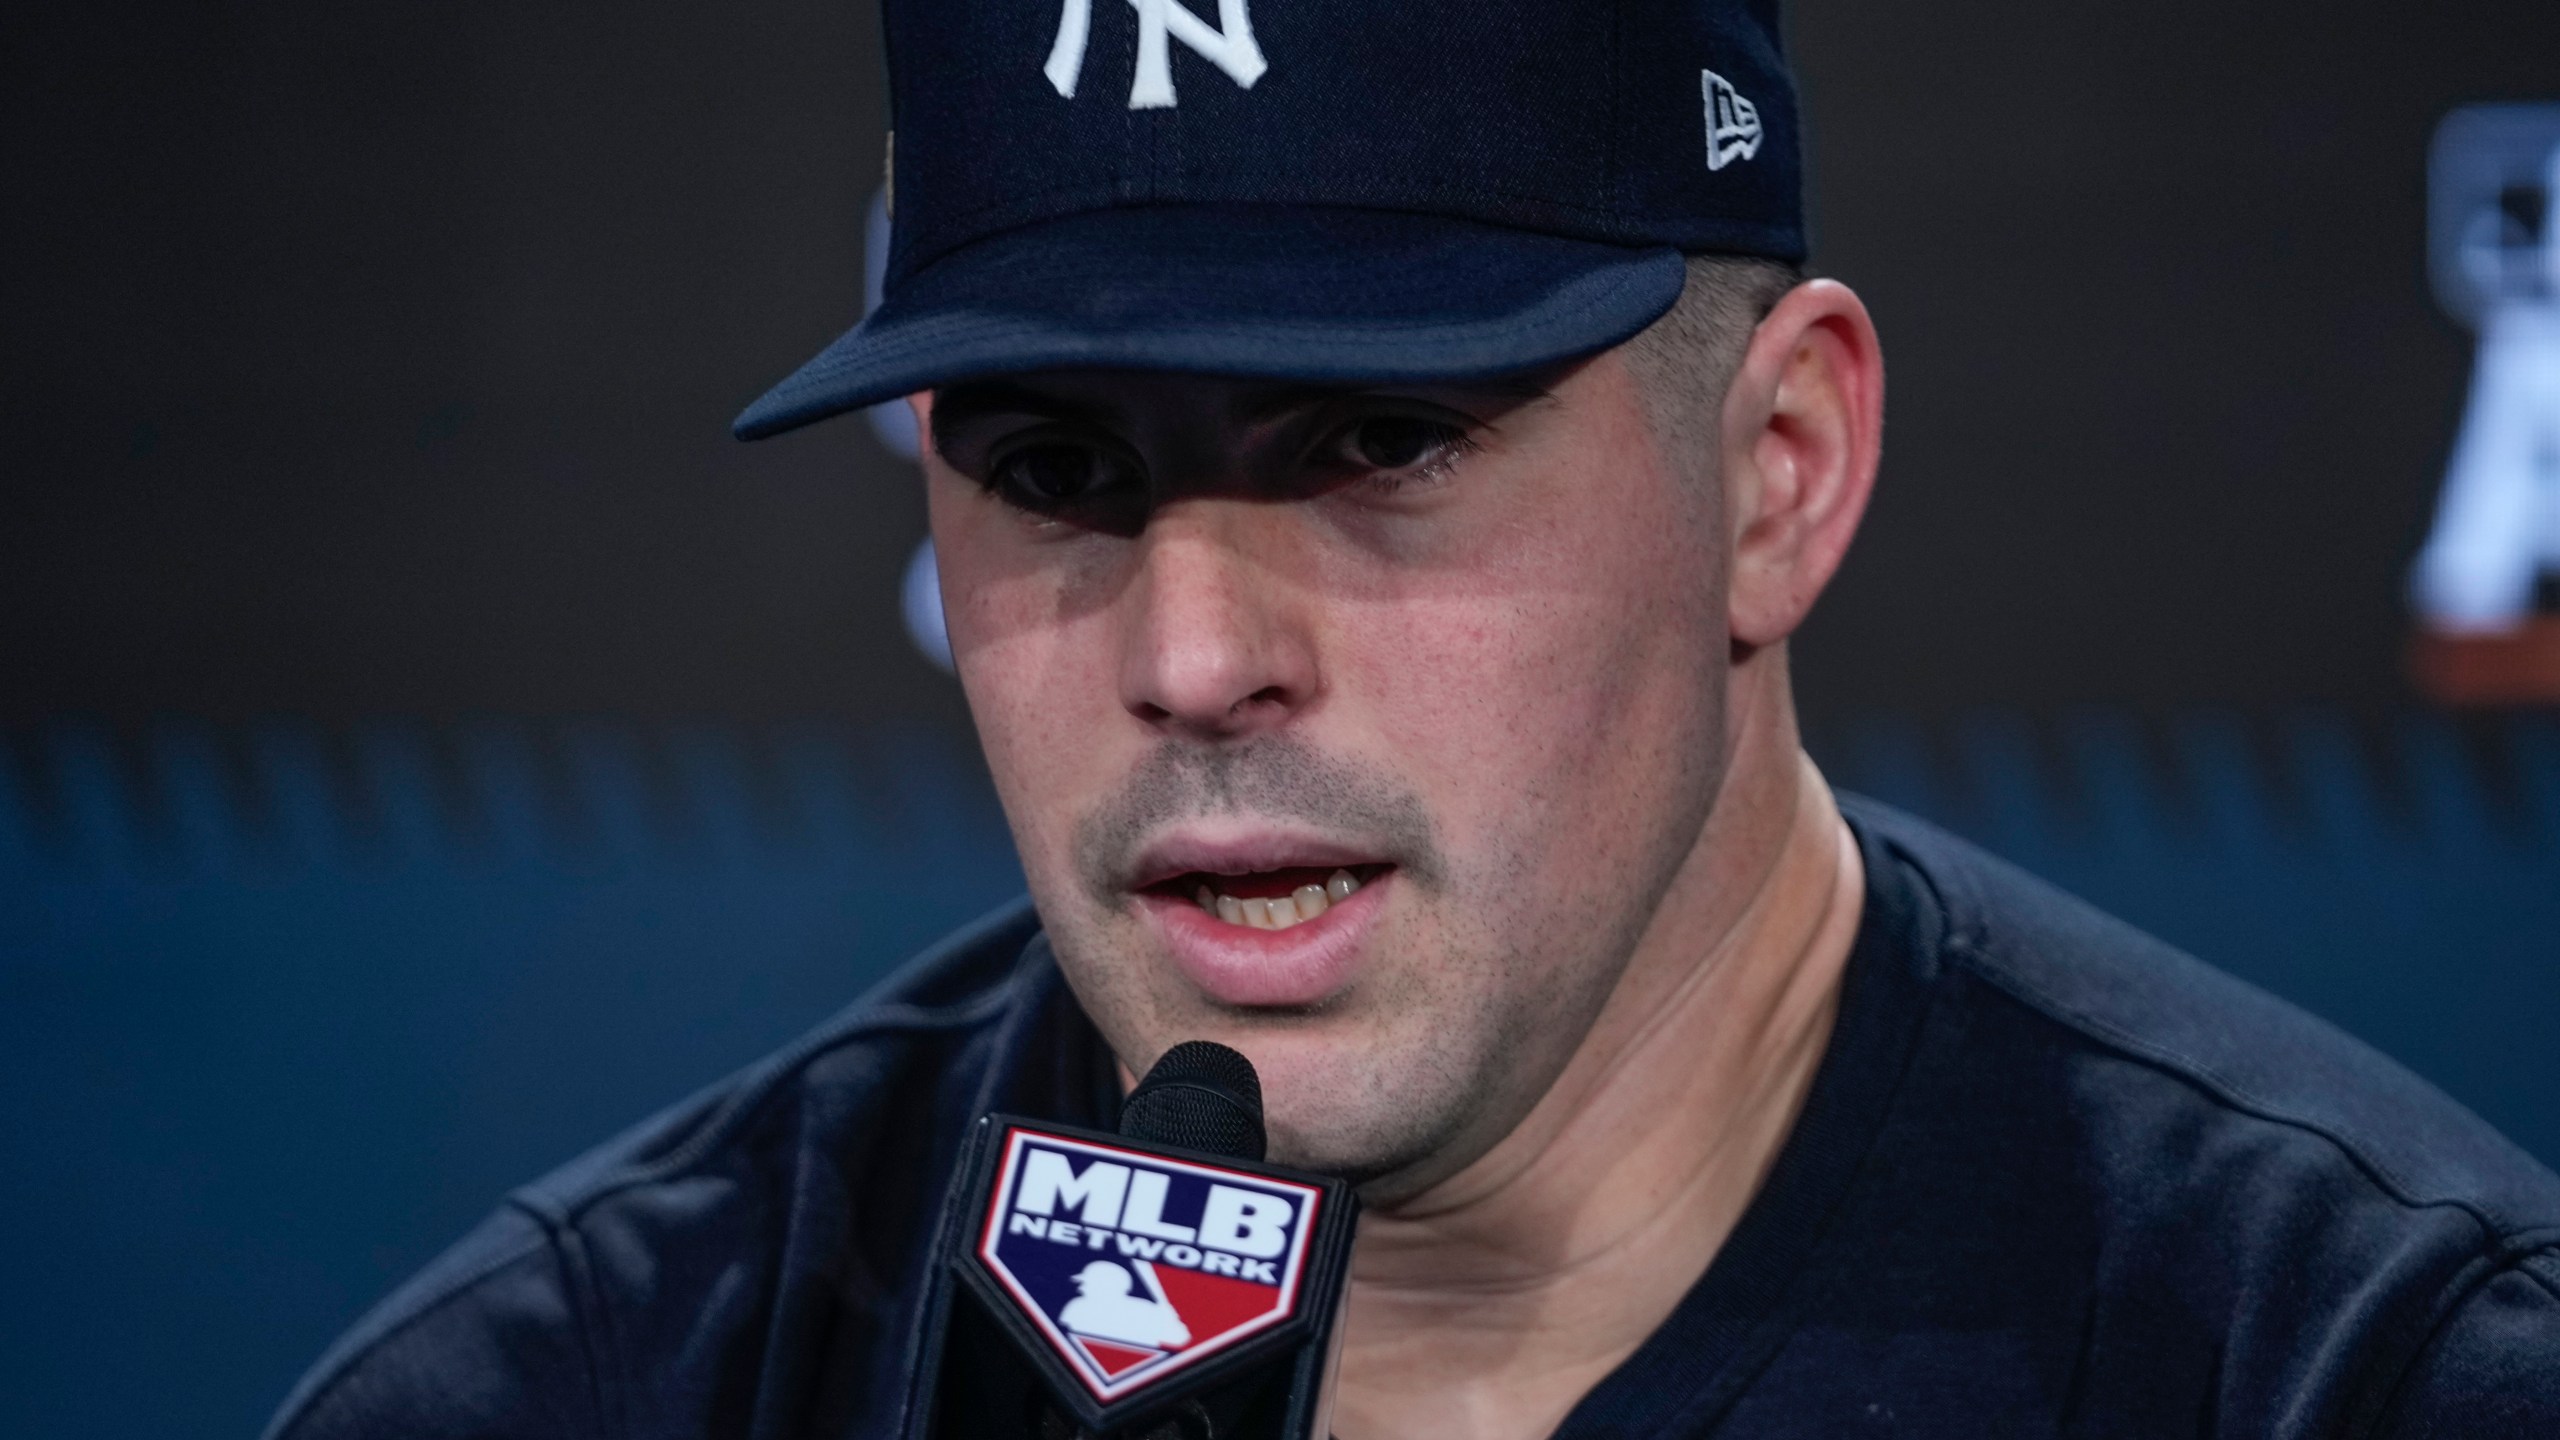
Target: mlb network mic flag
1139, 1273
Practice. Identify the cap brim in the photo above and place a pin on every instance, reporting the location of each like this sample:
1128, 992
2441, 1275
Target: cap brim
1269, 291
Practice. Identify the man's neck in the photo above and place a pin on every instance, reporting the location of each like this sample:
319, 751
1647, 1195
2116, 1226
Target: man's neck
1489, 1304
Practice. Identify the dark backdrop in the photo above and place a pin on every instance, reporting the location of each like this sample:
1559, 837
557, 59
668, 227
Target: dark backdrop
366, 359
365, 375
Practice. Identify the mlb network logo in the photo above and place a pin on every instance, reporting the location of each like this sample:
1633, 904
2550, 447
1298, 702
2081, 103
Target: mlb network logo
1135, 1266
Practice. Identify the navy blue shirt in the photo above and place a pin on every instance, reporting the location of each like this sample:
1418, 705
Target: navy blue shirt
2053, 1178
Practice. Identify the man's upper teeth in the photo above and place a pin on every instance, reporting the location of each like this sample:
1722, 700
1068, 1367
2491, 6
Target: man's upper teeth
1279, 912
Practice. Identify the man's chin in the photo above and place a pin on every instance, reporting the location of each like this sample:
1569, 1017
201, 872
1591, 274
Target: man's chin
1337, 1111
1355, 1089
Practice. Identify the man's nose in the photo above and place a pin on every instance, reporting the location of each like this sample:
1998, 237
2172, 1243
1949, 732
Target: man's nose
1215, 642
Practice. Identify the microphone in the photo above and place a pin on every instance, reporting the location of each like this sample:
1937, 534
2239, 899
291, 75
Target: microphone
1159, 1284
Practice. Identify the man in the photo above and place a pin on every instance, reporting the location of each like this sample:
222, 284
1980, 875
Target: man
1377, 455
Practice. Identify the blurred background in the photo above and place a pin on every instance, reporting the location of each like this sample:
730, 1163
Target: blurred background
430, 744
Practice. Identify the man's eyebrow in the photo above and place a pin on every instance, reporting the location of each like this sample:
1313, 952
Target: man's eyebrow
1280, 399
957, 405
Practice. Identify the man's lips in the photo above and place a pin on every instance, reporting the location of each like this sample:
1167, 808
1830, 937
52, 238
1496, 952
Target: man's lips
1242, 853
1271, 899
1240, 963
1261, 920
1263, 884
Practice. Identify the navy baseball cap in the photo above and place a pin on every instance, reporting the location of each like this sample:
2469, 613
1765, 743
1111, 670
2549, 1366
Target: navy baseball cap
1356, 191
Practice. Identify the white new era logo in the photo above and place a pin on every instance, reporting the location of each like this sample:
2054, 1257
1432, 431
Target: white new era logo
1733, 123
1230, 47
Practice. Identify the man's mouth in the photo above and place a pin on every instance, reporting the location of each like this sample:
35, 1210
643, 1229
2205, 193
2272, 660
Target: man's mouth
1260, 920
1271, 899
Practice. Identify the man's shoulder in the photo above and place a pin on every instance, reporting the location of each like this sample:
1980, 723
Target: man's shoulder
2237, 1200
525, 1324
2174, 1032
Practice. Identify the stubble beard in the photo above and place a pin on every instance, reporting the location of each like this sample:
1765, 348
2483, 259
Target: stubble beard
1460, 1025
1423, 1068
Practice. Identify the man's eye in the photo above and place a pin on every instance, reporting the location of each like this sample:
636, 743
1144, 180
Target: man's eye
1397, 442
1054, 477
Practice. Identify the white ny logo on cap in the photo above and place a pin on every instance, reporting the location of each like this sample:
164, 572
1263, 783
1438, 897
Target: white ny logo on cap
1230, 47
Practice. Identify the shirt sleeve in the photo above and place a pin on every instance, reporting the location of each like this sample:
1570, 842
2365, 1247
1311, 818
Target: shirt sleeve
2493, 1367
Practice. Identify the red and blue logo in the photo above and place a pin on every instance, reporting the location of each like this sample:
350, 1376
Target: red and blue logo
1134, 1266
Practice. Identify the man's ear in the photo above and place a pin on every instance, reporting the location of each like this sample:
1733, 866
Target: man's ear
1803, 425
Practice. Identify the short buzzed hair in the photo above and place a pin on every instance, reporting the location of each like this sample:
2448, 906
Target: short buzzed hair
1684, 362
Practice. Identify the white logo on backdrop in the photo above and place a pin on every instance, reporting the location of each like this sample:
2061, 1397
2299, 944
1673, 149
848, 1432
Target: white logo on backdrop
2494, 218
1733, 123
1230, 47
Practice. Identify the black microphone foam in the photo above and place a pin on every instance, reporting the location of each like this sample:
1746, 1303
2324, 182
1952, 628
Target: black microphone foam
1200, 1096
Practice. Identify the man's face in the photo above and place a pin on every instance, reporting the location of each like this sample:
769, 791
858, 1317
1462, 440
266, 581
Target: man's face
1462, 648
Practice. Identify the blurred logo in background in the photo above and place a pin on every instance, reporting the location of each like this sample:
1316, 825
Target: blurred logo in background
2487, 584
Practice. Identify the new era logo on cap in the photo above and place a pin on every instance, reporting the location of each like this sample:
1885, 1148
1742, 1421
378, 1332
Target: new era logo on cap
1733, 123
1134, 1267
